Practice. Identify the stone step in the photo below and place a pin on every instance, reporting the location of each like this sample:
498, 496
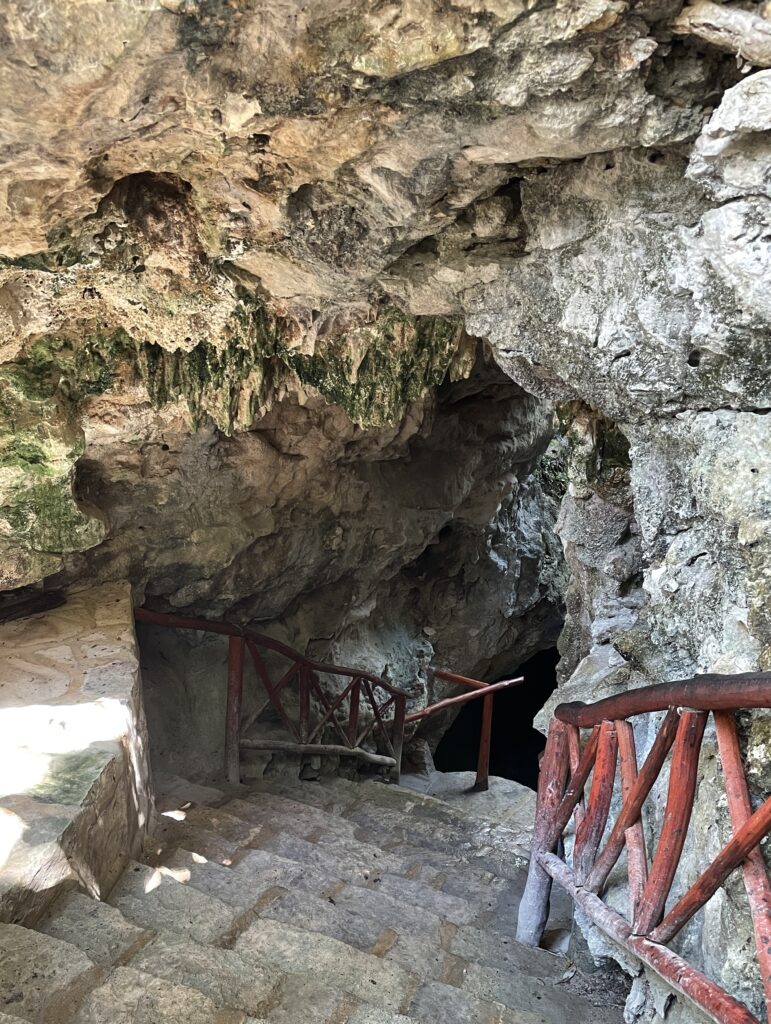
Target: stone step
172, 791
296, 951
340, 797
384, 812
131, 995
281, 814
476, 945
96, 928
239, 889
152, 898
416, 949
406, 932
334, 834
417, 893
252, 875
174, 830
486, 848
497, 899
287, 815
292, 864
39, 974
504, 801
222, 975
359, 871
521, 992
306, 1000
207, 830
447, 1004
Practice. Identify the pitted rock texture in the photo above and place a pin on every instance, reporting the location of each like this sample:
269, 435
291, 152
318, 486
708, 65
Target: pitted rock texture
227, 199
671, 347
246, 252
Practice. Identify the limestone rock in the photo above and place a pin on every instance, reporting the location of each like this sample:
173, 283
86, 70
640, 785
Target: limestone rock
730, 157
248, 251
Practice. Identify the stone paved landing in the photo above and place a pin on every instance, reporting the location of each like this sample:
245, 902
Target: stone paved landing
73, 771
306, 903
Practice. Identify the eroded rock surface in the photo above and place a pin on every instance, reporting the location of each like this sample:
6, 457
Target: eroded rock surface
247, 253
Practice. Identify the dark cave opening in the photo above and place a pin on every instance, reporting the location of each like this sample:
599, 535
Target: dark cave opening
516, 744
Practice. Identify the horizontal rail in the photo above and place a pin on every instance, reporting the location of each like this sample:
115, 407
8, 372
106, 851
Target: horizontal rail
453, 677
462, 699
318, 748
702, 693
230, 629
707, 995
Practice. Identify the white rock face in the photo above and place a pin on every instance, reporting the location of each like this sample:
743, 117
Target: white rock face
730, 157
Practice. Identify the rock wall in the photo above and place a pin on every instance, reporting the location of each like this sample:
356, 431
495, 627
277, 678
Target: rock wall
648, 271
388, 549
248, 251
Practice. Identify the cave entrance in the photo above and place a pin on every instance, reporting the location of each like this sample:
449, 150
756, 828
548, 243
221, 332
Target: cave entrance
516, 744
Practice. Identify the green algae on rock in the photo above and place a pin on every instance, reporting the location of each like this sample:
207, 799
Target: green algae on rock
373, 372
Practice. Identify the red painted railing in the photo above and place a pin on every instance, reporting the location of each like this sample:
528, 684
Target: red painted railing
485, 737
610, 749
309, 732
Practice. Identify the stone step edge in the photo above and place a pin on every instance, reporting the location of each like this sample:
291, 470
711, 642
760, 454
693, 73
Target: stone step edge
417, 841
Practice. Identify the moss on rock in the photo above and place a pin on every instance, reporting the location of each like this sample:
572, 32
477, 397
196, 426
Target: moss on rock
403, 357
372, 372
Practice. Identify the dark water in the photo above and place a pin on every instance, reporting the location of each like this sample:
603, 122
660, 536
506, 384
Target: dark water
515, 743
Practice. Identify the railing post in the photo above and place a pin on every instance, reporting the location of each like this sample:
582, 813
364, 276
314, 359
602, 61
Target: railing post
677, 815
636, 856
482, 783
590, 831
400, 711
534, 908
630, 810
233, 709
304, 685
756, 879
353, 714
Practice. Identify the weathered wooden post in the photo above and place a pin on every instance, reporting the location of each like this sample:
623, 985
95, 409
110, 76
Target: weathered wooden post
534, 908
482, 783
233, 710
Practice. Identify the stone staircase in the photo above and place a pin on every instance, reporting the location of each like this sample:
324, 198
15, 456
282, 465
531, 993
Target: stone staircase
327, 902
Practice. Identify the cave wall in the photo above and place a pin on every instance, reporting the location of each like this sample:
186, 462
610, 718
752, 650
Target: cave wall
649, 271
393, 550
246, 255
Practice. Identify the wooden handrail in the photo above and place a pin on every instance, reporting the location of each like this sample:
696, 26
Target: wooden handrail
610, 751
462, 698
307, 736
701, 693
481, 689
230, 629
303, 674
453, 677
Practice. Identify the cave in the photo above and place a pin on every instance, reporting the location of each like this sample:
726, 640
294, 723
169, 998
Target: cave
516, 744
356, 358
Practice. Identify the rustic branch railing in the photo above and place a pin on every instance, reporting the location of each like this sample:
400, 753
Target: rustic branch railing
308, 734
485, 737
565, 771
